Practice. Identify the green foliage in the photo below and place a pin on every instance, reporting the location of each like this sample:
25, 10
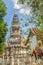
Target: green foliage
26, 24
3, 27
2, 9
41, 26
3, 30
37, 10
2, 47
21, 1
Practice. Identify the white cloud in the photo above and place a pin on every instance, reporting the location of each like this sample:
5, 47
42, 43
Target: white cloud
17, 6
22, 8
25, 11
15, 1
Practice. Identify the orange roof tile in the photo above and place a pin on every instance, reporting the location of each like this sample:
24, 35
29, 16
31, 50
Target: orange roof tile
37, 32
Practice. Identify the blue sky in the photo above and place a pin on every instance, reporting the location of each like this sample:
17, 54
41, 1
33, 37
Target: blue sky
23, 13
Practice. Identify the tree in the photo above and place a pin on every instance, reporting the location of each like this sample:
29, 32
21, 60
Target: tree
3, 27
37, 10
2, 9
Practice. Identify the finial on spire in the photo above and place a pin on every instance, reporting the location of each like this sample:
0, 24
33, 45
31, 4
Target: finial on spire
15, 19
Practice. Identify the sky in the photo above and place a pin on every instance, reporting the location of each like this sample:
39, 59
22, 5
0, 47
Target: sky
22, 11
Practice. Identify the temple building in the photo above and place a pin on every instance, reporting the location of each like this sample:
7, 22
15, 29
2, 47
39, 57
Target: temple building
19, 50
16, 52
35, 38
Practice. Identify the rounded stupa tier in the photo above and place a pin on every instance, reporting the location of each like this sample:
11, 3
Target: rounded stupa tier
15, 19
15, 30
15, 38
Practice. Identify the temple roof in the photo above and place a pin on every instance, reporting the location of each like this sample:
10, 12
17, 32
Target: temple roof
37, 32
